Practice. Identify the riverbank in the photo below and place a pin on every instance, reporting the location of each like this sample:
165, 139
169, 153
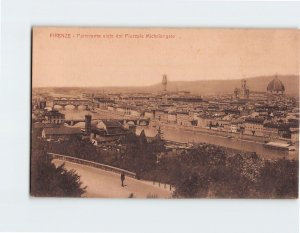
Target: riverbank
182, 135
224, 134
177, 133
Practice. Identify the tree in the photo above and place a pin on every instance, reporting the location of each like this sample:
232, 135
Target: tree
279, 179
192, 185
50, 181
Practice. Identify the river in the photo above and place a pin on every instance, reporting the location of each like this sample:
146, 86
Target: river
183, 135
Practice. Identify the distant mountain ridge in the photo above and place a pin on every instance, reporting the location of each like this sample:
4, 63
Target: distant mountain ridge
203, 87
208, 87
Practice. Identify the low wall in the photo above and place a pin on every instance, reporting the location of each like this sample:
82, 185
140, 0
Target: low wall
92, 164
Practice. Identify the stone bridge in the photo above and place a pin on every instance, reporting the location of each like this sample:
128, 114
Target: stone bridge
135, 121
73, 102
130, 121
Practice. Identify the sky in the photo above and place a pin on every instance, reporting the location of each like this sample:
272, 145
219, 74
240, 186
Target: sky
91, 57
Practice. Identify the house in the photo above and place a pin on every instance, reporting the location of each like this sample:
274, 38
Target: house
183, 118
294, 134
62, 133
149, 114
54, 117
110, 127
135, 112
234, 128
172, 117
254, 126
160, 115
106, 131
164, 117
122, 110
201, 121
110, 108
270, 130
102, 102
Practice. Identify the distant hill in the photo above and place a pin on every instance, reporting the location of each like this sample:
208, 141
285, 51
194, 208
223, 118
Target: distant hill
202, 87
207, 87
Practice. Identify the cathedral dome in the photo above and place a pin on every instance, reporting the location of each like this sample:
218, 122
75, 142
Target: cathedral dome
276, 86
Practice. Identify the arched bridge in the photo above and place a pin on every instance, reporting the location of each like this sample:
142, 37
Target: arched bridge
75, 102
129, 121
135, 121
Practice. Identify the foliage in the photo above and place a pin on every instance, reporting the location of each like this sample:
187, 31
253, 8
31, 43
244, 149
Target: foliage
279, 179
203, 171
49, 180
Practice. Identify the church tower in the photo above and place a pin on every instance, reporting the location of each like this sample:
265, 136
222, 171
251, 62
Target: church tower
244, 90
164, 82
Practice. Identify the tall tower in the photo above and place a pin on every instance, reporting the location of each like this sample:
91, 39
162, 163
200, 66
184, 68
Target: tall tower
243, 84
88, 124
164, 82
42, 104
244, 90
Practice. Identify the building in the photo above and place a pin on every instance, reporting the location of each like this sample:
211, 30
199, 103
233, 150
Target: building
110, 108
123, 110
183, 119
61, 133
234, 128
149, 114
102, 102
242, 93
164, 82
88, 124
110, 127
107, 131
42, 104
254, 126
159, 115
270, 131
172, 117
203, 122
294, 134
54, 117
135, 112
276, 87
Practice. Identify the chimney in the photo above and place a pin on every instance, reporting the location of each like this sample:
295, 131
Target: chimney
88, 124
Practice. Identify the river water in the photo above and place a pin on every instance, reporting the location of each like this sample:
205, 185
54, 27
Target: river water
182, 135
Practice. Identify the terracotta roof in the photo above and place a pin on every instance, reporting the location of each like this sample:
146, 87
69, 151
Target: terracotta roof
255, 120
62, 131
112, 123
54, 113
45, 125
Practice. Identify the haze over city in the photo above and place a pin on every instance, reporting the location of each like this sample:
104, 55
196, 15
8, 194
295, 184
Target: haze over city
191, 55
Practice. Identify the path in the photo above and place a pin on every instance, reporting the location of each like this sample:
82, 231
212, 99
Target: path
102, 183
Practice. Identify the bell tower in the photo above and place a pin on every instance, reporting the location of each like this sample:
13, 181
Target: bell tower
164, 82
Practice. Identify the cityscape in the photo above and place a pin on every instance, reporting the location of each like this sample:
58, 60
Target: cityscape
230, 138
266, 123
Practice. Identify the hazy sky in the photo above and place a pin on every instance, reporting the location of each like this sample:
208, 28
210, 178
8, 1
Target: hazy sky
190, 54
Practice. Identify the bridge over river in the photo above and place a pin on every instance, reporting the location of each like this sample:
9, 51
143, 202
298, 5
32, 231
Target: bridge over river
72, 102
104, 183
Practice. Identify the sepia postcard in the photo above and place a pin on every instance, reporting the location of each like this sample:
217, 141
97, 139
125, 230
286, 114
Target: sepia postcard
164, 113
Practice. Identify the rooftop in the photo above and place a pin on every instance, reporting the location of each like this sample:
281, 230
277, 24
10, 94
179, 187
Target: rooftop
62, 131
275, 86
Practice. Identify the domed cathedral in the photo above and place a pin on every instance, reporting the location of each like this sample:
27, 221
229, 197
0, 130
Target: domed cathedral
276, 86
